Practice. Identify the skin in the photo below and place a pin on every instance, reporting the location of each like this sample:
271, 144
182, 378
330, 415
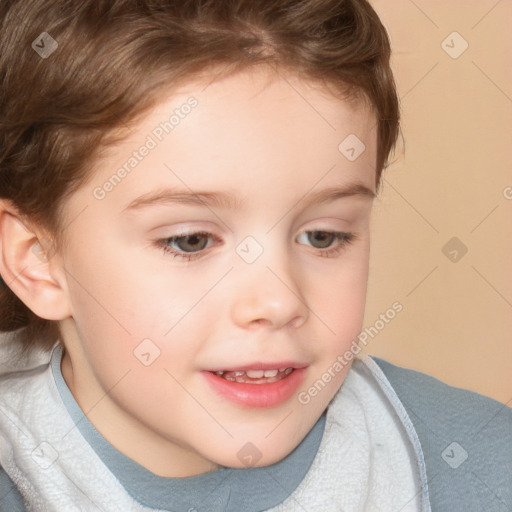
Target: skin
272, 140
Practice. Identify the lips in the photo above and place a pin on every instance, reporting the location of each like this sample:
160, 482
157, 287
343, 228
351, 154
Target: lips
263, 393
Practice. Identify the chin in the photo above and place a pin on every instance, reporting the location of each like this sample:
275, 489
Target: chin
252, 455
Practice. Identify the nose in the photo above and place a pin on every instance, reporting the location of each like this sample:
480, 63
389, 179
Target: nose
268, 294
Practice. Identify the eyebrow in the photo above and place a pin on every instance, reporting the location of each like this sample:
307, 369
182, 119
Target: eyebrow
228, 201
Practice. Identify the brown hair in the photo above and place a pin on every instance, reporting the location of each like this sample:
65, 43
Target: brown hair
112, 59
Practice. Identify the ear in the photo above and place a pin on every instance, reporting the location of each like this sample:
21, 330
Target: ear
29, 267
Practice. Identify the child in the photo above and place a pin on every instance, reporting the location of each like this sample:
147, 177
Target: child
186, 190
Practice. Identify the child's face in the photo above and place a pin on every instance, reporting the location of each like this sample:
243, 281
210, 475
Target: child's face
260, 290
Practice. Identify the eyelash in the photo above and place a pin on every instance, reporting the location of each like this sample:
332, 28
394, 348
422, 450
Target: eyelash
344, 240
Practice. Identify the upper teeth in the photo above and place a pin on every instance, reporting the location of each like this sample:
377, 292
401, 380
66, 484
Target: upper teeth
257, 374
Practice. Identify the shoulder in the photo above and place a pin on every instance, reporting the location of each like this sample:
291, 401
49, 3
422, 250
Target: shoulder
466, 438
16, 381
445, 403
17, 400
10, 498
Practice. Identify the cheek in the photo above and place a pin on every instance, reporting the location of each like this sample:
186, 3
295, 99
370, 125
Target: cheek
338, 298
112, 314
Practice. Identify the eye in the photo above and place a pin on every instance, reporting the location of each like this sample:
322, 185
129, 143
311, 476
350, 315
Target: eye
189, 246
325, 239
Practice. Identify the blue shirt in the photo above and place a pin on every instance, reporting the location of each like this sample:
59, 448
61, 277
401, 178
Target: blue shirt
466, 440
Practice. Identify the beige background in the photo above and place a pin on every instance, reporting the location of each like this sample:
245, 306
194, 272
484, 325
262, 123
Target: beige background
456, 322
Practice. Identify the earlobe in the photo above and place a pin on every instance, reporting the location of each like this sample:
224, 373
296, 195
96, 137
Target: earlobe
26, 263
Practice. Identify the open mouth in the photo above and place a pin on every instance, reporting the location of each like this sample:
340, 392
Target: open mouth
256, 387
255, 376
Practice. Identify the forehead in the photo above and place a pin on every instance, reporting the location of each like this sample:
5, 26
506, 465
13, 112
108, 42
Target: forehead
261, 100
253, 132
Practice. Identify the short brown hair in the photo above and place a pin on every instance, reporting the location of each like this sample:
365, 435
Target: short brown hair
112, 59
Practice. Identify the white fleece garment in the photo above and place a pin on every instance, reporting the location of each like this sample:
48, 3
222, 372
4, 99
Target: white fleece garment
369, 458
